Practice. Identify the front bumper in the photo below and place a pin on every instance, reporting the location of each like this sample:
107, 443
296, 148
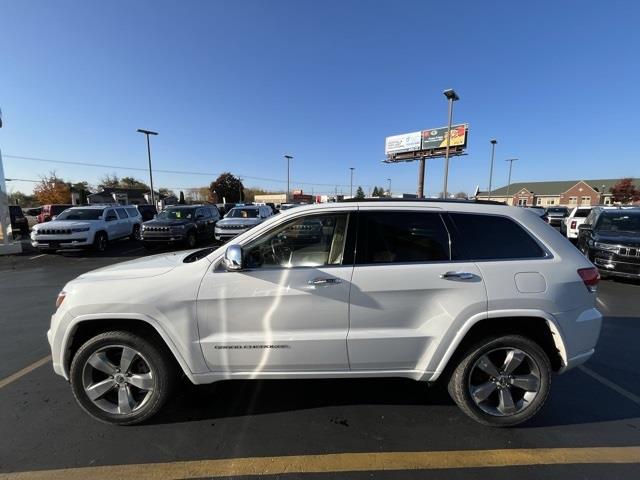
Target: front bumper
228, 233
51, 242
163, 239
613, 265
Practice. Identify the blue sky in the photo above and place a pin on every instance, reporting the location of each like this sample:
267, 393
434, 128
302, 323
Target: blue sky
233, 85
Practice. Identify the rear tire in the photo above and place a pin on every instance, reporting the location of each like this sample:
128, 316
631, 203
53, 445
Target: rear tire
135, 234
514, 391
125, 391
100, 242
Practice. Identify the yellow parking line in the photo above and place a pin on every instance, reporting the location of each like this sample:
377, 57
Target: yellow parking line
342, 463
21, 373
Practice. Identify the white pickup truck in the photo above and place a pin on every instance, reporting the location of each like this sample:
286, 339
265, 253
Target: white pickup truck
576, 218
87, 226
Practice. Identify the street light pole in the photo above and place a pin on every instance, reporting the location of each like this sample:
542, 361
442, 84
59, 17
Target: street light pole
493, 152
452, 96
288, 157
351, 187
147, 133
421, 169
510, 160
389, 189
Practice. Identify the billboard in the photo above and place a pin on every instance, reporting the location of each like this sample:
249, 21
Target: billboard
437, 137
407, 142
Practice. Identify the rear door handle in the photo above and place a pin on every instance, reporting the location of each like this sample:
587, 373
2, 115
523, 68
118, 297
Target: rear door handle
457, 276
324, 281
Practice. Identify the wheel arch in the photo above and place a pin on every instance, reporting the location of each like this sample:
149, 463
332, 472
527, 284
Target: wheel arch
536, 325
84, 329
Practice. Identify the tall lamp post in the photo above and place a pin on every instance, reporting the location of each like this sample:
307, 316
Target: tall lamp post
147, 133
510, 160
452, 96
389, 189
351, 187
493, 152
288, 157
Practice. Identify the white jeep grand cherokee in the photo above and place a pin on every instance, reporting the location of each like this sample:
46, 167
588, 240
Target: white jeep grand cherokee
487, 297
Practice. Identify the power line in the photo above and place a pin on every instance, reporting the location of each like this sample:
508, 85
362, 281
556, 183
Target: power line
175, 172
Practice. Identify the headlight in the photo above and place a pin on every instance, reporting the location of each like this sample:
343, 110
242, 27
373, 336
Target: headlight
605, 246
61, 296
80, 229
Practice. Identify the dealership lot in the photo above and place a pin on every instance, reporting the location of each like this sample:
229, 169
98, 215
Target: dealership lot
590, 408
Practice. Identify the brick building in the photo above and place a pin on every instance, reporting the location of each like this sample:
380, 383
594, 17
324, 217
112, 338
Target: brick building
569, 193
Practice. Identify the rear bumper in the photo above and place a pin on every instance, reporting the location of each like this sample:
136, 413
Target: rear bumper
580, 332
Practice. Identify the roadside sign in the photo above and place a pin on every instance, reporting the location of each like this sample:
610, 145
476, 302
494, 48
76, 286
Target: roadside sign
407, 142
437, 137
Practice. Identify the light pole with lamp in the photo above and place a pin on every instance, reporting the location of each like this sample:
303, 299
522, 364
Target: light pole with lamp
493, 152
452, 96
288, 157
147, 133
351, 187
510, 160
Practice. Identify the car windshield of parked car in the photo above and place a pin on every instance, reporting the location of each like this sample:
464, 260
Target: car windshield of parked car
627, 222
556, 210
81, 214
243, 213
177, 214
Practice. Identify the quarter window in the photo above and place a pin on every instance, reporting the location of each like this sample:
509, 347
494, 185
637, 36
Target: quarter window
492, 237
309, 241
395, 237
121, 213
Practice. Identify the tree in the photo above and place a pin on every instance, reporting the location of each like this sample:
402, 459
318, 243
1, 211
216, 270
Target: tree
22, 199
109, 181
227, 187
625, 191
134, 183
375, 192
52, 189
82, 189
461, 195
360, 193
166, 192
382, 192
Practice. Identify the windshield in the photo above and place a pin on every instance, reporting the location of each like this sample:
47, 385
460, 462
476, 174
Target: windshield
557, 210
243, 213
81, 214
627, 222
177, 214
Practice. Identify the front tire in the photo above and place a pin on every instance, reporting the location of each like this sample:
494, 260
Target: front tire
502, 382
121, 378
135, 234
100, 242
191, 240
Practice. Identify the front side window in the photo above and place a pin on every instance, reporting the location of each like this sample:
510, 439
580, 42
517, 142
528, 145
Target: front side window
309, 241
493, 237
396, 237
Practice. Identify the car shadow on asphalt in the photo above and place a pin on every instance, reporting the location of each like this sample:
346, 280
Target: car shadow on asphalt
575, 399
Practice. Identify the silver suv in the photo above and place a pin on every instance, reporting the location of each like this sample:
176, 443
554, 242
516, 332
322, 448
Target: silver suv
487, 298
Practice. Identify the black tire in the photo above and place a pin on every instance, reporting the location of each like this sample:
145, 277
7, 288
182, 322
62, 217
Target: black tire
100, 242
460, 381
191, 240
162, 367
135, 234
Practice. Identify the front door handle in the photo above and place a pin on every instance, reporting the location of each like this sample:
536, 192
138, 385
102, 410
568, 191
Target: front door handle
324, 281
457, 276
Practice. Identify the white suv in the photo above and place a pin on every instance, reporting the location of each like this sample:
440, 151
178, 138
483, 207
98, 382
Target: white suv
572, 222
487, 297
87, 226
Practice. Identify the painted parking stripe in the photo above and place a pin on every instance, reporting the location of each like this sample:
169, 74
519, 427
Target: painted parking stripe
21, 373
37, 256
613, 386
342, 463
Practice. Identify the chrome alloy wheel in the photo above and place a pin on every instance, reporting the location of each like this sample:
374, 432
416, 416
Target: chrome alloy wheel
504, 381
118, 379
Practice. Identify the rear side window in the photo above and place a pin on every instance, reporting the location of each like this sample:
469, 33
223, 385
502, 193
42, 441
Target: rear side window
582, 212
132, 211
121, 213
492, 237
396, 237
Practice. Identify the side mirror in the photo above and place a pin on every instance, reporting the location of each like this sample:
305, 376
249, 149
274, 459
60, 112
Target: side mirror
233, 258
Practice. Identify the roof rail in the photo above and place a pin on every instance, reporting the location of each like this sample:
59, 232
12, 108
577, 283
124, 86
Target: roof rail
426, 200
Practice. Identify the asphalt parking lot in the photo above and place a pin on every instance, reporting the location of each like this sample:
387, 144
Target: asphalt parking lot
590, 427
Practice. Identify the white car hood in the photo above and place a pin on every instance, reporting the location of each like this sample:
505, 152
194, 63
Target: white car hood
63, 224
144, 267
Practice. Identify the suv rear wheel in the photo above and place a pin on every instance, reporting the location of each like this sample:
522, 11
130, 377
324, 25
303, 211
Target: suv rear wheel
121, 378
502, 381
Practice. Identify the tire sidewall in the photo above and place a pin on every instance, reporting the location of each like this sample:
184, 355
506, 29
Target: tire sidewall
98, 244
460, 380
191, 240
150, 352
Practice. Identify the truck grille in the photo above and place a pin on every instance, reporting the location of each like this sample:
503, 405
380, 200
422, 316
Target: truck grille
629, 251
156, 229
54, 231
233, 227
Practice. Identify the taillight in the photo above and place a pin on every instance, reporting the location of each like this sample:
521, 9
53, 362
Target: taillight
61, 296
573, 224
590, 277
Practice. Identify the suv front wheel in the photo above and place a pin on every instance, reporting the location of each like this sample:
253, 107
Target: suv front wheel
121, 378
502, 381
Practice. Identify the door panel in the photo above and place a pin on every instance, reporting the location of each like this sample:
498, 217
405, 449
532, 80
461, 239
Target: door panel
400, 312
274, 319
